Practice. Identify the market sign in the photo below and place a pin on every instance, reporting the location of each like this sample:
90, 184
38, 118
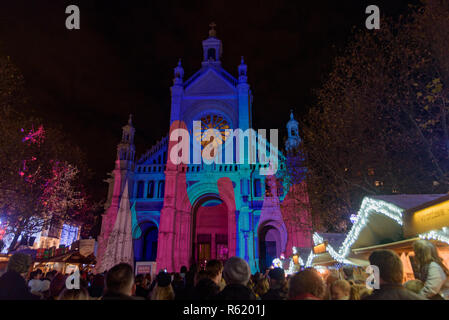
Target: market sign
425, 219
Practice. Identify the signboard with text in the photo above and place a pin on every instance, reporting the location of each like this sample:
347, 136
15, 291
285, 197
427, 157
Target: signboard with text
433, 217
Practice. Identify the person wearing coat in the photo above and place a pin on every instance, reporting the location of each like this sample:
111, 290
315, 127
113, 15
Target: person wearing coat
12, 283
431, 271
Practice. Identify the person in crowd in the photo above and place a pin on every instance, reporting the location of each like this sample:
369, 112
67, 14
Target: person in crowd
141, 290
215, 269
148, 281
97, 286
74, 294
431, 271
57, 285
390, 278
278, 285
183, 272
306, 285
205, 288
163, 289
119, 283
236, 273
341, 290
261, 287
12, 282
35, 284
47, 281
202, 274
331, 278
415, 285
178, 284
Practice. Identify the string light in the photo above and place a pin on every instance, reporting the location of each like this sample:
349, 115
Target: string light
369, 206
440, 235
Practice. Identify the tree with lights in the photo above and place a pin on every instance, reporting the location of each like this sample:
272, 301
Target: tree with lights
39, 180
380, 122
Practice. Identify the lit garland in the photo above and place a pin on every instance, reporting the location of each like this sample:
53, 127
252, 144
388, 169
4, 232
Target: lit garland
368, 207
310, 259
317, 239
440, 235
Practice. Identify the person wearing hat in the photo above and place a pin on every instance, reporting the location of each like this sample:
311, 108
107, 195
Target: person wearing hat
12, 284
278, 285
236, 273
163, 289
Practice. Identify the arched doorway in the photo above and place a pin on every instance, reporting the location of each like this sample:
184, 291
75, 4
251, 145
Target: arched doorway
210, 234
145, 248
269, 246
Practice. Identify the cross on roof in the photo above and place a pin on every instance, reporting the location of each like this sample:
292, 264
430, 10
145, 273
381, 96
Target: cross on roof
212, 32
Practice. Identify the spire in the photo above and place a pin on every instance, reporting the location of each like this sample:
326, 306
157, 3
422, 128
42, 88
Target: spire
242, 71
126, 148
179, 74
293, 139
212, 48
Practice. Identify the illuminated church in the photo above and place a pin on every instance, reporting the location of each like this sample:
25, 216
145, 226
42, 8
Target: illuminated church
190, 213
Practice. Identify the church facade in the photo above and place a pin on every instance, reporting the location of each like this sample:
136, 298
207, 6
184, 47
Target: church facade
185, 213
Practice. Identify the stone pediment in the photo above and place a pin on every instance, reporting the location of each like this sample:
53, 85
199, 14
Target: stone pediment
211, 82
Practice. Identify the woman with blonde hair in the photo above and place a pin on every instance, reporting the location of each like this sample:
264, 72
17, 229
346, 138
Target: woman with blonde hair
431, 271
163, 289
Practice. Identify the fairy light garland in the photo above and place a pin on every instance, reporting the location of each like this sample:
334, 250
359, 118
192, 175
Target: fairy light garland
440, 235
369, 206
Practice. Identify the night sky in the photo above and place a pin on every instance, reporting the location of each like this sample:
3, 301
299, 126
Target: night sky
121, 61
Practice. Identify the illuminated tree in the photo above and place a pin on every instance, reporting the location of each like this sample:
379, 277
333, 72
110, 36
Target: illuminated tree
380, 122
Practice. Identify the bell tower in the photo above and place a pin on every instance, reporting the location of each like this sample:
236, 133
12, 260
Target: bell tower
212, 48
293, 140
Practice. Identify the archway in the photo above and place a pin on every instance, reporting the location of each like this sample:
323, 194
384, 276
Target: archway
145, 247
210, 234
269, 245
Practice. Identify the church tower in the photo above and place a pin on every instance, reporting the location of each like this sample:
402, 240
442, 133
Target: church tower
293, 140
296, 205
122, 173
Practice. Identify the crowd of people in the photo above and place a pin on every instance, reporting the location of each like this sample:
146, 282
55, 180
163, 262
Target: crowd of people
233, 281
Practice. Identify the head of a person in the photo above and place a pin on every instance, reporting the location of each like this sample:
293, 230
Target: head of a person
39, 274
414, 285
183, 270
348, 273
120, 279
236, 271
177, 277
262, 286
215, 268
19, 263
51, 274
277, 278
425, 253
340, 290
202, 274
74, 294
163, 289
306, 282
389, 264
98, 281
139, 280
